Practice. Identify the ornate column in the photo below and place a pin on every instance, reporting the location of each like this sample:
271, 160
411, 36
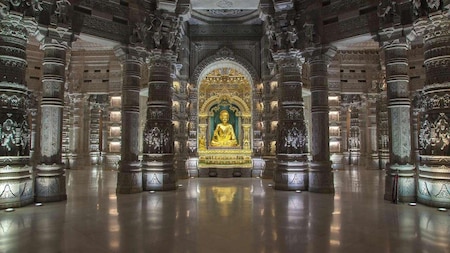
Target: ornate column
291, 172
292, 161
320, 174
129, 178
434, 170
182, 96
158, 172
382, 125
161, 36
16, 185
268, 94
50, 177
50, 180
400, 181
77, 105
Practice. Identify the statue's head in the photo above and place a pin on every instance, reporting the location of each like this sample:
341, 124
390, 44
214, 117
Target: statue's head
224, 116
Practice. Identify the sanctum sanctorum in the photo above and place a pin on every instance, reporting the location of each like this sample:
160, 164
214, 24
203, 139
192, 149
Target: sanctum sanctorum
189, 126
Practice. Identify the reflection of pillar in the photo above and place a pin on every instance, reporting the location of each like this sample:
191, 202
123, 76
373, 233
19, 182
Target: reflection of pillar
50, 178
16, 187
157, 165
129, 179
400, 164
292, 166
434, 170
320, 175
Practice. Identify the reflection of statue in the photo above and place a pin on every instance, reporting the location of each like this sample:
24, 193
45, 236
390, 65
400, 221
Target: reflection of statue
224, 135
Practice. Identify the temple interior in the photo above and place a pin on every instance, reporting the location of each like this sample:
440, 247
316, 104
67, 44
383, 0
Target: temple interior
224, 126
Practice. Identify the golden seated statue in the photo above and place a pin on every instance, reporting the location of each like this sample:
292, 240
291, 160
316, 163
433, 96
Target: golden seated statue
224, 135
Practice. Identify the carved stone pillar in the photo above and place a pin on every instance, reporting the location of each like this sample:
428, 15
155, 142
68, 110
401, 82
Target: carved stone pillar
75, 138
382, 130
162, 37
34, 114
129, 178
50, 178
16, 186
292, 161
158, 172
400, 181
320, 174
434, 138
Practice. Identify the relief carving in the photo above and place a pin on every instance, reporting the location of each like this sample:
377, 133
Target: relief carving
157, 140
293, 140
434, 135
15, 136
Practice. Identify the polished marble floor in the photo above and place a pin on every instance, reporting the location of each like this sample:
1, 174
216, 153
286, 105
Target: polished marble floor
210, 215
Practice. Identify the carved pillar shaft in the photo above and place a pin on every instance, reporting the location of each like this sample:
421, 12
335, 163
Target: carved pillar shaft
320, 175
50, 177
75, 131
292, 165
129, 179
434, 170
382, 130
400, 182
16, 187
158, 172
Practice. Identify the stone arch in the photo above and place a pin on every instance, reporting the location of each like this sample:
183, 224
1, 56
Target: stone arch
225, 58
210, 101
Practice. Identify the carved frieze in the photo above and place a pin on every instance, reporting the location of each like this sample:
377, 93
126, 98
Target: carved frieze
105, 28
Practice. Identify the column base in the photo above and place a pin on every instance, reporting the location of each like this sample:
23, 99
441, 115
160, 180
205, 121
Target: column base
158, 173
400, 183
258, 167
129, 182
434, 186
192, 167
50, 183
180, 169
159, 180
291, 172
321, 179
269, 169
16, 190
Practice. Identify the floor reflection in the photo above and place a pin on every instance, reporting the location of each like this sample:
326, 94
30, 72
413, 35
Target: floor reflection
225, 215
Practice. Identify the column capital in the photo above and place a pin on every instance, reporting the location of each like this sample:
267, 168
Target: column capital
289, 58
322, 53
161, 29
131, 53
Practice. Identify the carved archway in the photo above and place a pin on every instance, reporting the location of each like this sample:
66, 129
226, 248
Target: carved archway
224, 58
224, 85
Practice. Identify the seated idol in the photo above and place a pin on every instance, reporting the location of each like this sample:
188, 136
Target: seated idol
224, 135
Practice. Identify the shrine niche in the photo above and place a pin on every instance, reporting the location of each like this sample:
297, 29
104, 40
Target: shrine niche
224, 123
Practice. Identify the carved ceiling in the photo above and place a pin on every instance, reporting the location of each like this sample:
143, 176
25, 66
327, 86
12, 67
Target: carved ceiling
210, 11
224, 4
